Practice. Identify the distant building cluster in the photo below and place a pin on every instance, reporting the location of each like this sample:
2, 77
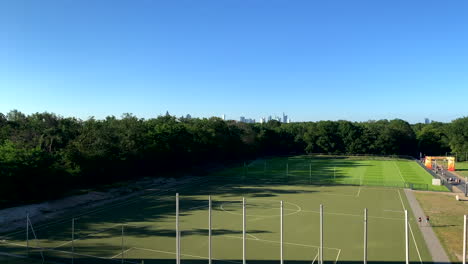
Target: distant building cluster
427, 121
246, 120
283, 119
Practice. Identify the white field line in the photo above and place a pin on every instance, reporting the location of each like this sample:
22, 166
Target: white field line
256, 238
359, 191
125, 251
377, 217
112, 205
196, 207
382, 188
12, 255
256, 219
337, 256
193, 256
335, 194
393, 211
277, 242
401, 175
315, 257
411, 230
63, 251
103, 230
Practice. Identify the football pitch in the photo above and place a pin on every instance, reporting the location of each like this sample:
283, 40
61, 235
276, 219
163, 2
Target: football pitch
143, 228
368, 171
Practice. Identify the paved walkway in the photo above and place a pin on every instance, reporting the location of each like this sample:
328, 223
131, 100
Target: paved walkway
437, 251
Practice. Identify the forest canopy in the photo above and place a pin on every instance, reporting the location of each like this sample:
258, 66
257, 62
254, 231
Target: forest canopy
43, 155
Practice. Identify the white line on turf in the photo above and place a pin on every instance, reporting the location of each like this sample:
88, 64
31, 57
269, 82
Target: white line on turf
337, 256
256, 238
125, 251
196, 207
411, 230
394, 211
68, 242
359, 191
399, 171
277, 242
378, 217
315, 257
112, 205
63, 251
194, 256
12, 255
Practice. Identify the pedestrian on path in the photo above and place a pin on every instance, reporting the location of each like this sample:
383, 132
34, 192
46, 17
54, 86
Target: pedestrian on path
427, 220
419, 221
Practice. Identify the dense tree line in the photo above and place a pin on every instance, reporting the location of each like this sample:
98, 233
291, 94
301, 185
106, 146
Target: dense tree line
43, 155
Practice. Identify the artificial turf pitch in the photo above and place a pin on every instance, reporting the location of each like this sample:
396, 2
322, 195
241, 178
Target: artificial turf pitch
148, 221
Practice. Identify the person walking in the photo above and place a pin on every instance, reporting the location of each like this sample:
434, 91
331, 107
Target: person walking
419, 220
427, 220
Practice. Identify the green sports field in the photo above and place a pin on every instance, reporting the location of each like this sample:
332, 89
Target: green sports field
148, 221
368, 171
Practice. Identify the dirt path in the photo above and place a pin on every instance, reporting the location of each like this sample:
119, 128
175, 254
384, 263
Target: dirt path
437, 251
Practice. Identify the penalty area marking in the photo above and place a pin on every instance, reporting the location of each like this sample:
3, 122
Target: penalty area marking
122, 252
97, 232
285, 243
193, 256
292, 244
256, 238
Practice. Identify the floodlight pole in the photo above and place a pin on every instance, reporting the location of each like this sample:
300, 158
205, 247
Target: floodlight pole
464, 239
177, 229
243, 230
321, 234
281, 233
73, 239
178, 244
209, 229
406, 237
27, 233
365, 235
122, 254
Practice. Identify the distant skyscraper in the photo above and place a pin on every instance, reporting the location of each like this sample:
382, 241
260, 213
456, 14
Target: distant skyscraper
427, 121
269, 118
242, 119
285, 118
223, 117
188, 116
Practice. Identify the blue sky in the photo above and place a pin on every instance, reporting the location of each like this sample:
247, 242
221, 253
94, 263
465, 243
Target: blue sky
314, 60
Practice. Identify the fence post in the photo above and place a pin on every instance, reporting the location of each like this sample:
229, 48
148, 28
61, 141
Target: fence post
122, 244
321, 234
27, 234
365, 235
73, 239
209, 229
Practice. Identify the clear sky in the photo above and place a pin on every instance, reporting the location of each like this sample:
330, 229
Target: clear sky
314, 60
